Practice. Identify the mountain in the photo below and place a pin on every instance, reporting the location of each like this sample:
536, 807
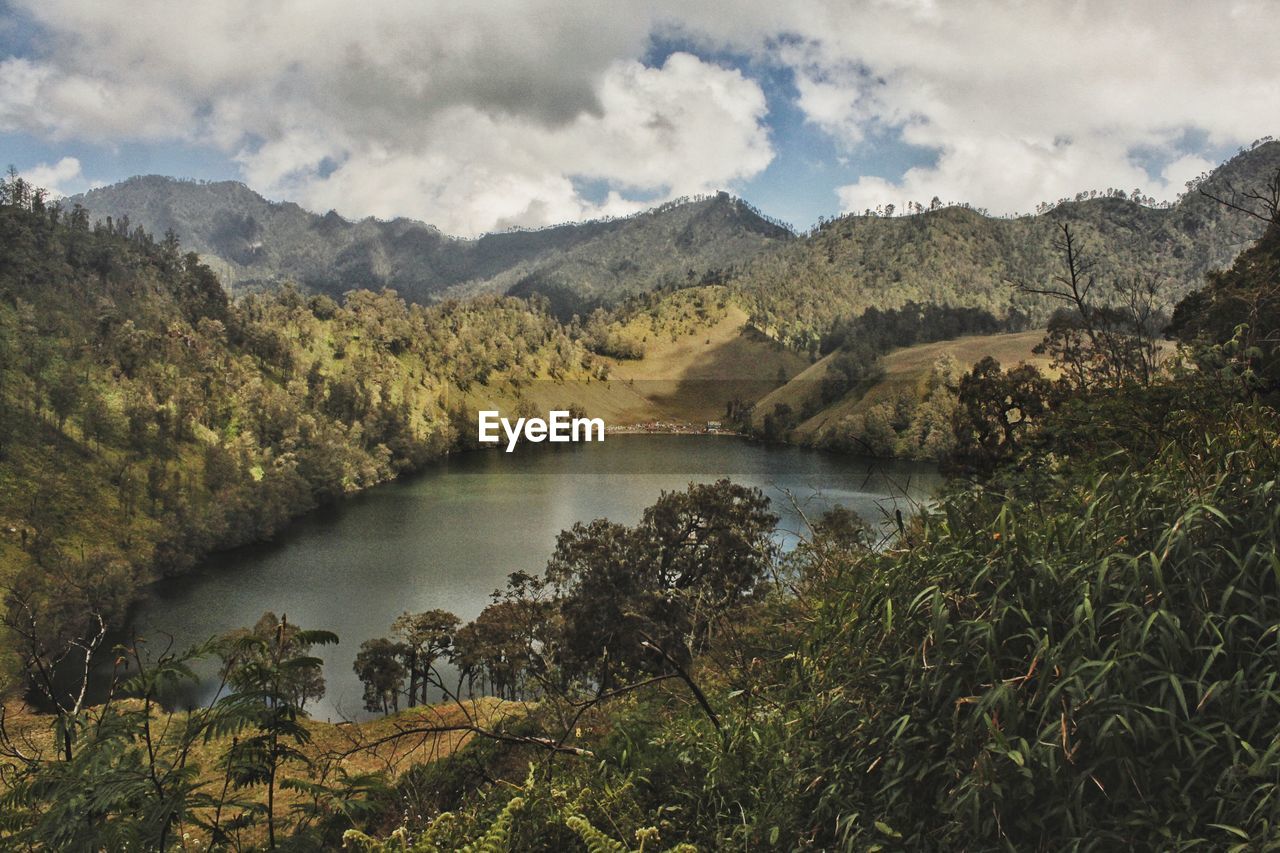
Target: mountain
797, 290
254, 243
958, 256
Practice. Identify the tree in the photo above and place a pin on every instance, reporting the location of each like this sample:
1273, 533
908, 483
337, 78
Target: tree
714, 539
497, 646
777, 422
425, 638
101, 424
133, 778
692, 556
273, 676
66, 392
1099, 342
379, 668
1259, 202
247, 651
878, 437
1233, 322
996, 410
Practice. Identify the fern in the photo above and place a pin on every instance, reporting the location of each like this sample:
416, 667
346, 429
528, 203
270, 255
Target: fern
596, 841
497, 839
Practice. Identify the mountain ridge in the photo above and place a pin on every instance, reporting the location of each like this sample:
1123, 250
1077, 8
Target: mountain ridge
253, 242
798, 289
959, 257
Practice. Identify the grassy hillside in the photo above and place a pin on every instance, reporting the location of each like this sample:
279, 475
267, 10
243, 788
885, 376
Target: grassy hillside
904, 370
699, 354
692, 371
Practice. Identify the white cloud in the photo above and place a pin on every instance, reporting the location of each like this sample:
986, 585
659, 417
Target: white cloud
43, 98
478, 116
1178, 173
1026, 102
1010, 174
59, 179
686, 127
471, 116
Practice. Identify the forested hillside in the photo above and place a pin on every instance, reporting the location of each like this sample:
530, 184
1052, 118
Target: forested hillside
900, 405
252, 243
798, 290
145, 419
957, 256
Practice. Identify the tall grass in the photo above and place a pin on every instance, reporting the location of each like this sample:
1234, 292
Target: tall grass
1080, 655
1093, 667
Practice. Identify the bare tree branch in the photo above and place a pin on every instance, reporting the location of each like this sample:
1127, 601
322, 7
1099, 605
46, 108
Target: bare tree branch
1248, 200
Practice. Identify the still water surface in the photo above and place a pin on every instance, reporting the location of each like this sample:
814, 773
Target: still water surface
446, 538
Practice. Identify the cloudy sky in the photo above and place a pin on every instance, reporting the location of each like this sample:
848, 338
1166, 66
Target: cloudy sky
480, 116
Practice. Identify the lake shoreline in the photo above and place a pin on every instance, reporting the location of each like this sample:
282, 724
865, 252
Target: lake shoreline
671, 428
417, 542
207, 567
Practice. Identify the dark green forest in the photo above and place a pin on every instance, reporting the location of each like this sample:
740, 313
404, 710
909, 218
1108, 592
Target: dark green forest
1074, 647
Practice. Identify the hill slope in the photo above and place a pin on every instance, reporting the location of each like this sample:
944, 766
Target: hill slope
795, 290
252, 242
958, 256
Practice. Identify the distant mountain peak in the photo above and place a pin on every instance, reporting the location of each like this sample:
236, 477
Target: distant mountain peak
254, 242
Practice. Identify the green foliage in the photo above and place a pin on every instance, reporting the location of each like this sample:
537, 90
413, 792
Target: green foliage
538, 816
1232, 323
497, 838
425, 791
667, 312
425, 638
378, 666
998, 411
122, 788
273, 676
917, 423
609, 338
246, 652
1094, 668
621, 590
134, 779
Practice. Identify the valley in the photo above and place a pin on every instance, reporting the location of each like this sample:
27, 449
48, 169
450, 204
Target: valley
242, 495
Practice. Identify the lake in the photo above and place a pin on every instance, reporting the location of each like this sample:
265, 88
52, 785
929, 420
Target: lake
448, 536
